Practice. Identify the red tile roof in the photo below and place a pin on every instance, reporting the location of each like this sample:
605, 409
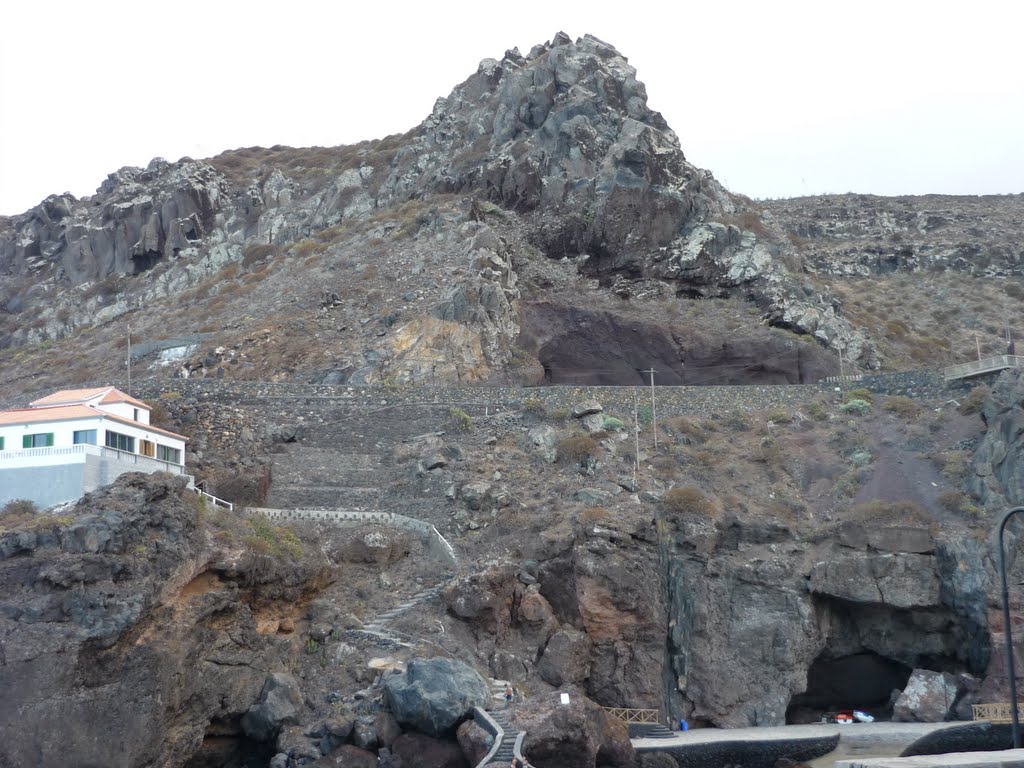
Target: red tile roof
71, 396
67, 412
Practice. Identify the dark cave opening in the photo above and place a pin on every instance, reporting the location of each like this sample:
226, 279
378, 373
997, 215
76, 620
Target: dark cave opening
863, 681
141, 262
226, 746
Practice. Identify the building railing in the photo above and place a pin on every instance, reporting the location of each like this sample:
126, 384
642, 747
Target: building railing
34, 453
978, 367
633, 715
152, 462
216, 501
996, 713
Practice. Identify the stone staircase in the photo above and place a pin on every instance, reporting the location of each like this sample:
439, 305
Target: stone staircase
649, 731
506, 748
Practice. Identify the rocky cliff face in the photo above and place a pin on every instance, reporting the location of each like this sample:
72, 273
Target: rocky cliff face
126, 631
871, 235
559, 143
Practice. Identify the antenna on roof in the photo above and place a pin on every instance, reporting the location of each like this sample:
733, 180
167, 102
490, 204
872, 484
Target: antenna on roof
129, 359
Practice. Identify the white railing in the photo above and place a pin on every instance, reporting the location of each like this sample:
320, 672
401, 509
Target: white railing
154, 464
978, 367
216, 501
77, 453
45, 453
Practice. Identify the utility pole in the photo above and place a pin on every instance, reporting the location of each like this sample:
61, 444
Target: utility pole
977, 343
129, 359
654, 411
842, 373
636, 432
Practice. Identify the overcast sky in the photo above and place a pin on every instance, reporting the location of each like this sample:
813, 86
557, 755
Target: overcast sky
777, 99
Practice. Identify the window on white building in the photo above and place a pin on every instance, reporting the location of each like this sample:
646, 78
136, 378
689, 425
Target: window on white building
40, 440
120, 442
170, 455
85, 437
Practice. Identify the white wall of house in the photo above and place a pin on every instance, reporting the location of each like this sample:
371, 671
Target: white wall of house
63, 437
127, 411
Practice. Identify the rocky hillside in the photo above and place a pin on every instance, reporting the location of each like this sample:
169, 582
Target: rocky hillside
351, 328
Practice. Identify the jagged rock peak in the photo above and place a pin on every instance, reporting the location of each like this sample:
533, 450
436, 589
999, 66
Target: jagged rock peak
566, 127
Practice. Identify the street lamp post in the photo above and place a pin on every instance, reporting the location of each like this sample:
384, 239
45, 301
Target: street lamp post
1010, 673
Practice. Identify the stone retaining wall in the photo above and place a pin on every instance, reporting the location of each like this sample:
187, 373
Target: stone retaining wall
436, 543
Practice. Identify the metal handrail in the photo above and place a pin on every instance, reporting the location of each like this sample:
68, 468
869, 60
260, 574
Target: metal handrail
986, 365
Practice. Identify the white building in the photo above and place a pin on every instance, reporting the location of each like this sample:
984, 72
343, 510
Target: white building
77, 440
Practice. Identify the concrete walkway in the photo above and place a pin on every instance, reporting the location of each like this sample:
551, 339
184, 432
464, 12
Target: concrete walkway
1010, 758
856, 741
856, 734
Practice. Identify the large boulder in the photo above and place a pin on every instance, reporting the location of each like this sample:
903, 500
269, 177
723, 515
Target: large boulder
474, 741
566, 658
435, 695
279, 704
418, 751
348, 756
579, 734
900, 580
927, 698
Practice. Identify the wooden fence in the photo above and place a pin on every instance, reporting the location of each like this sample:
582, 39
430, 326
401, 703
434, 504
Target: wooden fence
997, 713
631, 715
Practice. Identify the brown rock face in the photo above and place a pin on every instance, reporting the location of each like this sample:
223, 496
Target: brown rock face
419, 751
575, 735
125, 654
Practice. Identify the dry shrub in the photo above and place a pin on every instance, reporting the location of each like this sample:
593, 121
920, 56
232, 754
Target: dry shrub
904, 407
255, 252
890, 511
975, 400
689, 501
953, 500
688, 429
577, 448
595, 515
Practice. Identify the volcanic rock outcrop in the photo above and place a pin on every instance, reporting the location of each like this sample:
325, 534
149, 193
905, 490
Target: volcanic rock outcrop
555, 154
124, 634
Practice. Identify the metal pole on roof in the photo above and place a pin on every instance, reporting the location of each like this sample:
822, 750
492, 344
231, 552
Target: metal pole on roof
1011, 674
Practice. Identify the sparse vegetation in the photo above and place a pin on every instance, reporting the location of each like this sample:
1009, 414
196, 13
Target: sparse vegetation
577, 448
855, 407
689, 501
974, 401
460, 420
904, 407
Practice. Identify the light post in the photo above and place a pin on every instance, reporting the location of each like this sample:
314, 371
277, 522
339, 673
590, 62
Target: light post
1010, 673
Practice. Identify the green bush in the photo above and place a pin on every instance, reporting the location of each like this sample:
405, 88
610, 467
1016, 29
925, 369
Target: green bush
612, 424
817, 411
460, 420
861, 393
856, 407
779, 416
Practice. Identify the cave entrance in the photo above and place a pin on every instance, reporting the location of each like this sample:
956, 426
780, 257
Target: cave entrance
226, 746
863, 680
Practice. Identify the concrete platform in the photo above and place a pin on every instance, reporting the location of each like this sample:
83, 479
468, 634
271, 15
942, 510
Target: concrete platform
820, 745
1010, 758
